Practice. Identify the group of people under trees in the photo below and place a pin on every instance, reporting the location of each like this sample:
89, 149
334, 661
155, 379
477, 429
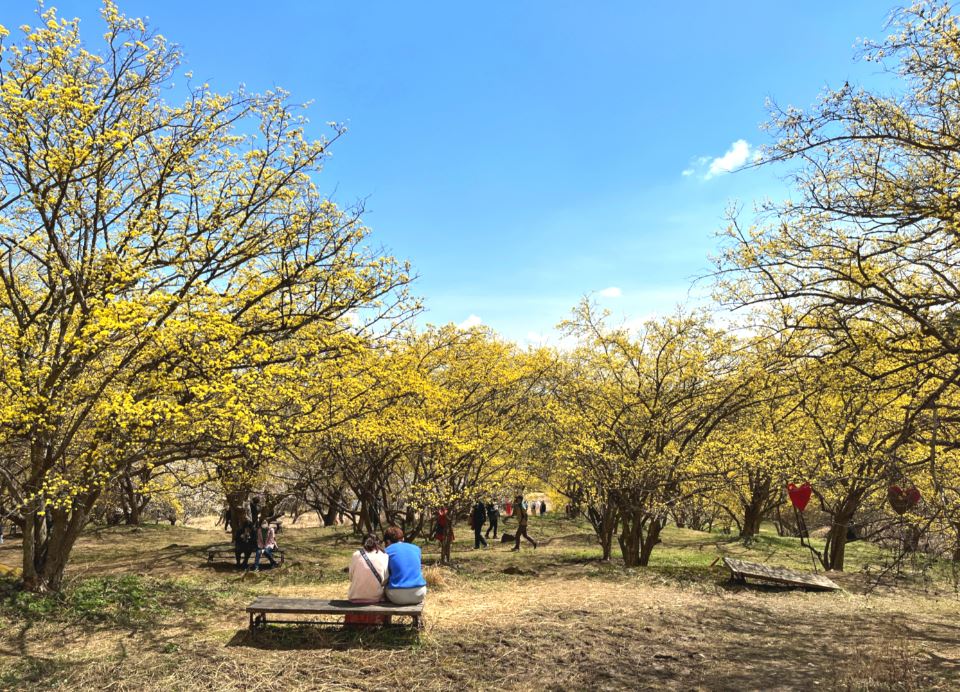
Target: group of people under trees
256, 538
489, 514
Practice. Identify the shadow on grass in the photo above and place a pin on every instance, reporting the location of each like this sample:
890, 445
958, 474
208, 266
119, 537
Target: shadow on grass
313, 637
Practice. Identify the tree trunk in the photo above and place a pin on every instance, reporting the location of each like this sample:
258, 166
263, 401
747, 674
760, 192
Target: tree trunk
631, 537
753, 509
835, 549
446, 544
752, 517
604, 522
330, 518
654, 527
47, 544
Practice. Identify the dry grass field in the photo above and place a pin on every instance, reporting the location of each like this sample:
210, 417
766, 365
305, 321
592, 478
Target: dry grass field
145, 611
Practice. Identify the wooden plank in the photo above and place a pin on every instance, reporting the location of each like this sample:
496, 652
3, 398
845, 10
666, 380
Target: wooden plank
313, 606
229, 549
740, 569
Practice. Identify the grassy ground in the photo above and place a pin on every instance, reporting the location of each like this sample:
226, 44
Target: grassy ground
145, 611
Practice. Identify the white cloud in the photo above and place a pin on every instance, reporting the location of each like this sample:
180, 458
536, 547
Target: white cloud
706, 167
611, 292
736, 156
471, 321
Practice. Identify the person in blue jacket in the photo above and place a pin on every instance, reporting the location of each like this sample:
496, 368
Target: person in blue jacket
406, 585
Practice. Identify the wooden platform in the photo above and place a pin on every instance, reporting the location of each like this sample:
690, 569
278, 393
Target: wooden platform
741, 571
272, 605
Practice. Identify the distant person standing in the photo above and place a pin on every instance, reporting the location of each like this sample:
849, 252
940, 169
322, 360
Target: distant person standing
534, 506
255, 510
543, 507
508, 509
522, 518
478, 519
493, 519
442, 526
246, 544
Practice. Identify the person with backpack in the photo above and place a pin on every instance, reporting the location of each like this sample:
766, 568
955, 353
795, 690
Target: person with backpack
368, 572
493, 519
368, 575
477, 520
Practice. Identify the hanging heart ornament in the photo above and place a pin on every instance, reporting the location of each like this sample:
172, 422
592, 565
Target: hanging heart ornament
799, 495
901, 500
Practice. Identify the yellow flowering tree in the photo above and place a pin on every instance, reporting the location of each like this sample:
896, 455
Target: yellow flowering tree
162, 267
628, 414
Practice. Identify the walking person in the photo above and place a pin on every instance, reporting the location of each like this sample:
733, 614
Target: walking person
493, 519
520, 509
478, 519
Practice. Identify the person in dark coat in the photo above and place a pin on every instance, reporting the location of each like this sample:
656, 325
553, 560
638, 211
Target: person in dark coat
543, 507
493, 517
246, 544
255, 510
478, 519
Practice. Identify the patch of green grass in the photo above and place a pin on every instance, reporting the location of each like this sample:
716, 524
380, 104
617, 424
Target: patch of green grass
128, 600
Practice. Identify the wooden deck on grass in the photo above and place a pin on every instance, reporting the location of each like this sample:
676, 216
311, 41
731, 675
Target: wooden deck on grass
741, 570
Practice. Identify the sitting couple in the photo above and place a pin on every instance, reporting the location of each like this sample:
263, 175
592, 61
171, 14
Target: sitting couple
393, 572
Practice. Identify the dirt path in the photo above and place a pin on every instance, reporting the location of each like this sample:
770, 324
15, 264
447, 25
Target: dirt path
573, 625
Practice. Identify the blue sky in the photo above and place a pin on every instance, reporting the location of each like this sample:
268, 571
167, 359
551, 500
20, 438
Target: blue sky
523, 154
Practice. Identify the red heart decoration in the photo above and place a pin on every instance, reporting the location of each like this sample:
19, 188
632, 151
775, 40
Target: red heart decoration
799, 496
901, 500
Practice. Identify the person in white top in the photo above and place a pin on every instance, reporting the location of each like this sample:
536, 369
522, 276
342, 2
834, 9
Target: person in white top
368, 572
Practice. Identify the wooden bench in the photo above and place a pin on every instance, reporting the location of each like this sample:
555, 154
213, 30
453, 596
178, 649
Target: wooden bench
272, 605
227, 550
